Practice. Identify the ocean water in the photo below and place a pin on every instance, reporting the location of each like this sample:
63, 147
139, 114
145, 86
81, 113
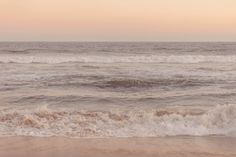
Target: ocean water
117, 89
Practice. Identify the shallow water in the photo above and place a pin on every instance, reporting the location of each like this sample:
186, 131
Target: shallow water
117, 89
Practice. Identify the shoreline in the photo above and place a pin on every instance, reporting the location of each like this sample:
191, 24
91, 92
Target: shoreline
179, 146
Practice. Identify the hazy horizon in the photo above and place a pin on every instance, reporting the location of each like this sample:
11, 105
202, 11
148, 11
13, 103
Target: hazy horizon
118, 41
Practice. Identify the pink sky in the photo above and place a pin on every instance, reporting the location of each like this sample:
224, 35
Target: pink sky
118, 20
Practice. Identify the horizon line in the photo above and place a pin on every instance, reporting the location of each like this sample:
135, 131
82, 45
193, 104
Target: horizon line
125, 41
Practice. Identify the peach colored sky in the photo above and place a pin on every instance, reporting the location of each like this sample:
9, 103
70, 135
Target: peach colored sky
98, 20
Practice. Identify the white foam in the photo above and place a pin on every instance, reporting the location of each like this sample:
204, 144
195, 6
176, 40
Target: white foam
64, 58
220, 120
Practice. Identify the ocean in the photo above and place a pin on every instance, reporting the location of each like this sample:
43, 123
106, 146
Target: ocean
117, 89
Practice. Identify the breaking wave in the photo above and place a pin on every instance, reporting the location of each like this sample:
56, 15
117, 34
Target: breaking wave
220, 120
63, 58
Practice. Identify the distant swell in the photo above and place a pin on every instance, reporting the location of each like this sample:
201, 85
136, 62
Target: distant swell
220, 120
147, 83
63, 58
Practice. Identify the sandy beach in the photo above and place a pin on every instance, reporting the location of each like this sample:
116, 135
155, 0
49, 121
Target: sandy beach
158, 147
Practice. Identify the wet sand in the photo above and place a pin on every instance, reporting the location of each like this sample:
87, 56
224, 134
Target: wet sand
115, 147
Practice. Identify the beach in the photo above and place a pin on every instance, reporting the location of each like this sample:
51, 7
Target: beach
184, 146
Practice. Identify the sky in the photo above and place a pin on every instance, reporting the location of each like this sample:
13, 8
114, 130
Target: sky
117, 20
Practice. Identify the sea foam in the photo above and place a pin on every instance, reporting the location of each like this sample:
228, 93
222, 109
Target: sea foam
67, 58
220, 120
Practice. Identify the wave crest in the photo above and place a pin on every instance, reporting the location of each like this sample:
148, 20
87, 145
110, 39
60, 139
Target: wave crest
220, 120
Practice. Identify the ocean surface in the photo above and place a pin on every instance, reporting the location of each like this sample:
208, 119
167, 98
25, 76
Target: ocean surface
117, 89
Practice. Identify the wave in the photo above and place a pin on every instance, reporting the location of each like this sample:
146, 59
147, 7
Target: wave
148, 83
220, 120
63, 58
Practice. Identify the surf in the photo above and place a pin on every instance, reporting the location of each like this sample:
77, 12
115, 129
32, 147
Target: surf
219, 120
